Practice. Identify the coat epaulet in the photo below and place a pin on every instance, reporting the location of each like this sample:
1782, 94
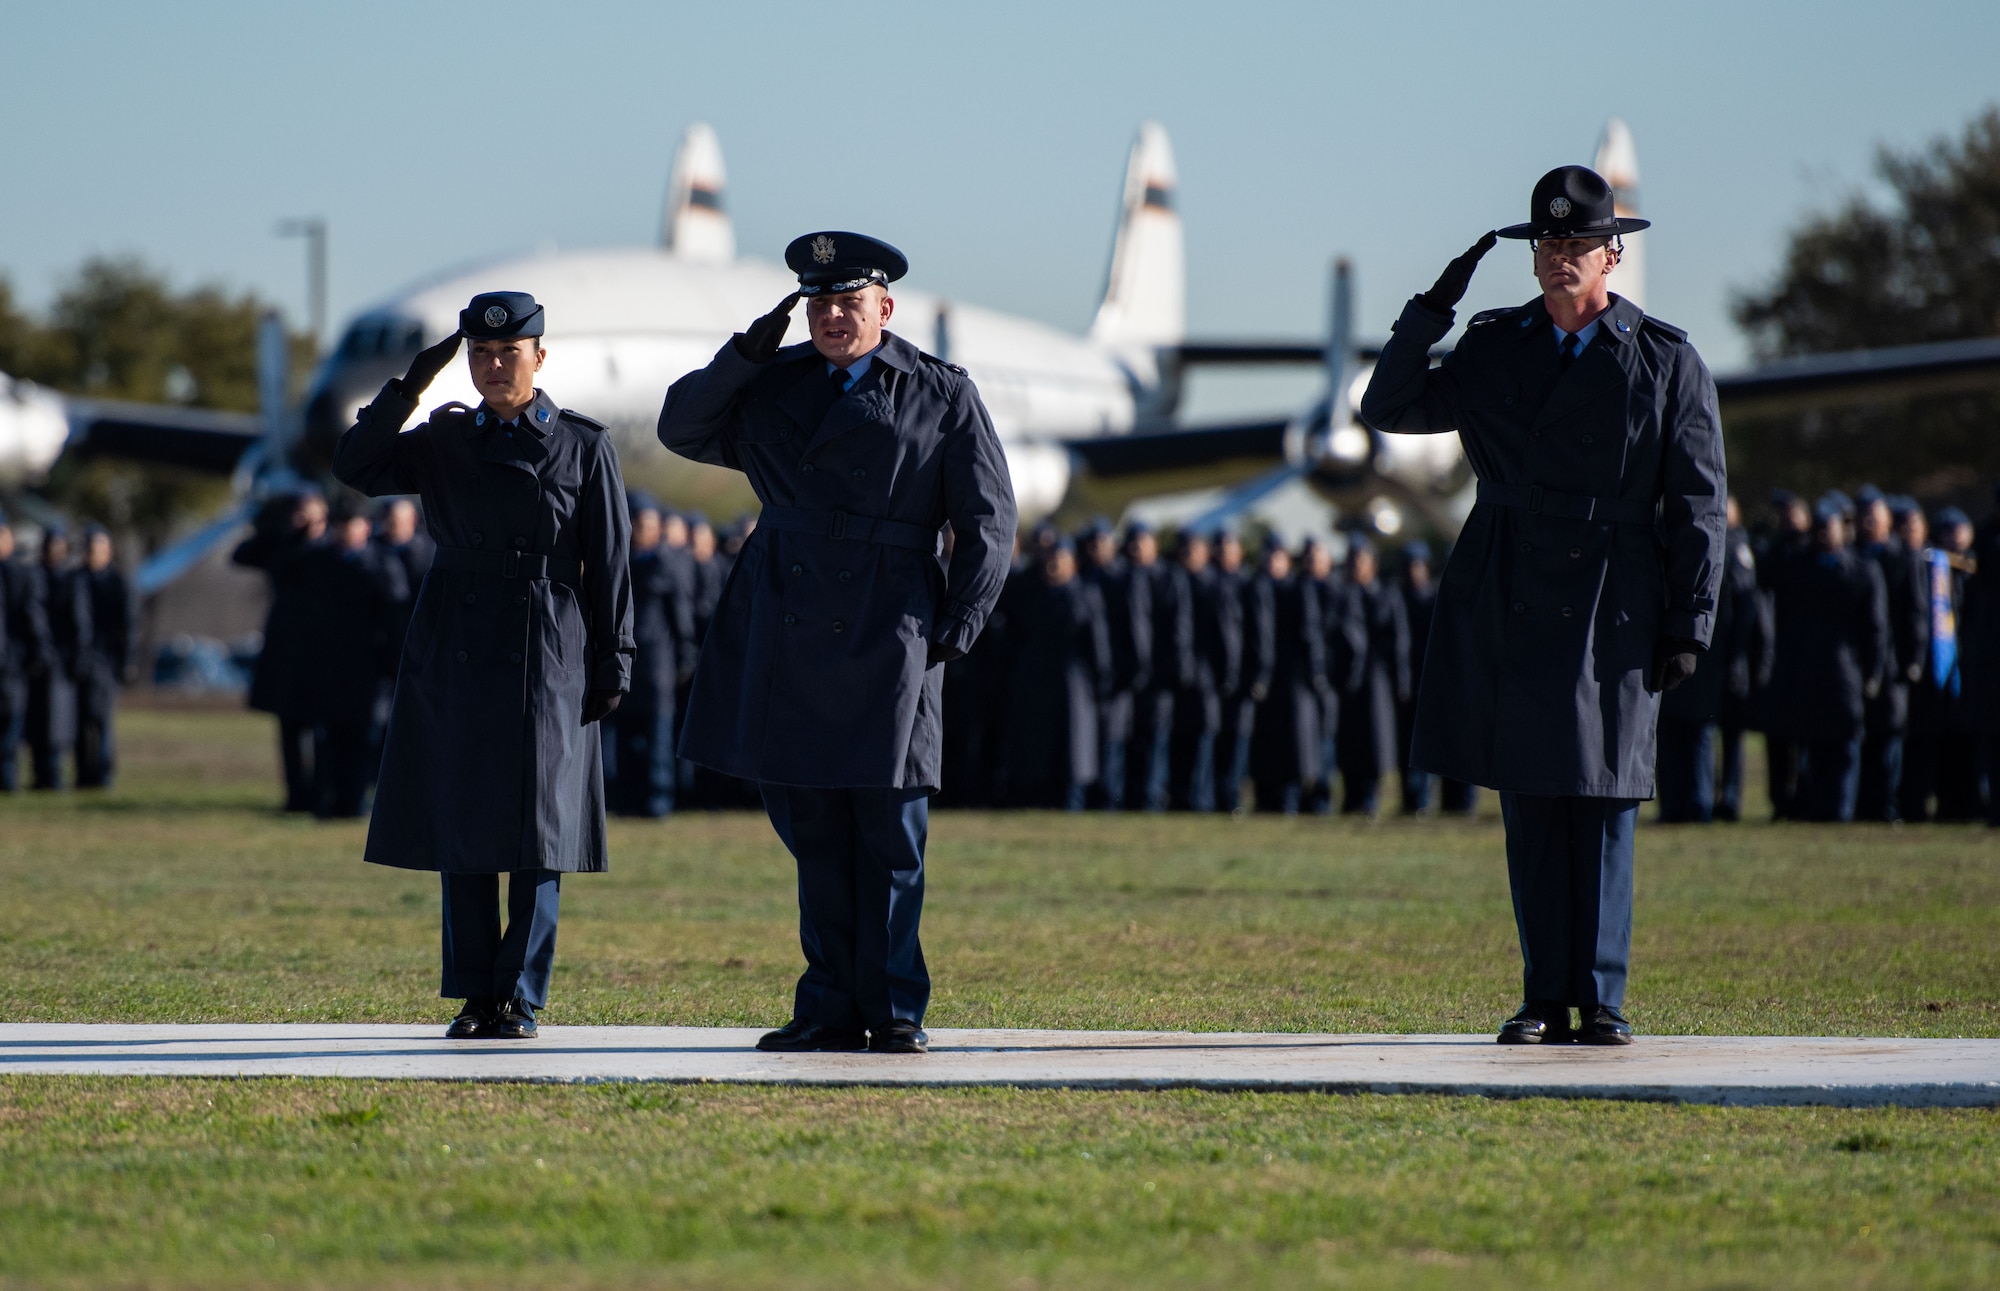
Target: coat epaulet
570, 414
935, 361
1665, 329
1491, 315
452, 409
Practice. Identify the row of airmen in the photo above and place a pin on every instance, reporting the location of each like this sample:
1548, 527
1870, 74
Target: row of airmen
67, 642
1858, 634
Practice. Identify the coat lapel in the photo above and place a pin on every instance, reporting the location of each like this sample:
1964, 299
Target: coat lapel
527, 447
809, 396
872, 400
1600, 370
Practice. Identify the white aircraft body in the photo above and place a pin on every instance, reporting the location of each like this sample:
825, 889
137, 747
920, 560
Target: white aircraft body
624, 324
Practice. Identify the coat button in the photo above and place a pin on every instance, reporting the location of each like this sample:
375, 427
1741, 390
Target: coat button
1527, 548
838, 626
478, 538
807, 468
791, 618
520, 543
798, 569
846, 576
1509, 401
515, 657
472, 598
1520, 607
461, 656
1590, 439
520, 600
1576, 553
860, 473
1568, 612
1535, 436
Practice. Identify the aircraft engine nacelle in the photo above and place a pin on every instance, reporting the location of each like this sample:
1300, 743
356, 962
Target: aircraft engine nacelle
1040, 472
33, 430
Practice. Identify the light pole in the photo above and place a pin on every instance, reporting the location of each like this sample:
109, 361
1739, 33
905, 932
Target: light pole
313, 229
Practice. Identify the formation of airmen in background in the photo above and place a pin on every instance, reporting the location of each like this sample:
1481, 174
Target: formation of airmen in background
68, 641
1123, 673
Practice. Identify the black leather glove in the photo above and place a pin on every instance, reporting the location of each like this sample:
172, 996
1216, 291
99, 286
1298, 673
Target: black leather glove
1673, 662
600, 704
941, 653
1449, 289
428, 363
759, 342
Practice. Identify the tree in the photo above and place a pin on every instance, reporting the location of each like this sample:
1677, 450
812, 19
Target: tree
118, 330
1923, 267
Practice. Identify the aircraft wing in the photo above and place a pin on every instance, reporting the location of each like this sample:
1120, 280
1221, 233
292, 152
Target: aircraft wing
203, 439
1170, 450
1860, 376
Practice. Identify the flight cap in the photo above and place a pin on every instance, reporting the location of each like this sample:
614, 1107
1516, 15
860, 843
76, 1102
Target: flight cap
833, 262
1868, 495
1572, 202
500, 316
1952, 518
1418, 551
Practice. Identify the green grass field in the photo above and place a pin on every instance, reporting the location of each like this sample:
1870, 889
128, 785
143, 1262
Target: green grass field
182, 896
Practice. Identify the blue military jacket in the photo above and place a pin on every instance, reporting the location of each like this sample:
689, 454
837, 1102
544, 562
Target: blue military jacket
488, 766
1598, 531
814, 668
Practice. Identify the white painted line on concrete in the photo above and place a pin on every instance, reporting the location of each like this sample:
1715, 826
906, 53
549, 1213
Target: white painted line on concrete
1728, 1070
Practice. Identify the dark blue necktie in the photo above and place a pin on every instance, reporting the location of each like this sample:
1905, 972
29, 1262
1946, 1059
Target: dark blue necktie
838, 377
1568, 349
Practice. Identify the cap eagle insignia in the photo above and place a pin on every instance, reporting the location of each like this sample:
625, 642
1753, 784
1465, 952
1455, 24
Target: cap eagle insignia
822, 248
1560, 207
495, 315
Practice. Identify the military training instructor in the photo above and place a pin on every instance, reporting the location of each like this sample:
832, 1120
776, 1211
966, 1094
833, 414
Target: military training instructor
520, 642
821, 674
1584, 582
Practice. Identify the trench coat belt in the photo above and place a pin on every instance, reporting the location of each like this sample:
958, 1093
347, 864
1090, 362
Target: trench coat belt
511, 564
1566, 506
853, 528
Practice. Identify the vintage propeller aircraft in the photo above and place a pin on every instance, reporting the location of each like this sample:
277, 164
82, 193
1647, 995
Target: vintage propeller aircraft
1088, 421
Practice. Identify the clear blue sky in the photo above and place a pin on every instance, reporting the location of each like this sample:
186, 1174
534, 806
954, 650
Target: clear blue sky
988, 141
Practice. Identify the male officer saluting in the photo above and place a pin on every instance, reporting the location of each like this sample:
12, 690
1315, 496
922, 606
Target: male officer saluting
520, 643
1583, 584
821, 671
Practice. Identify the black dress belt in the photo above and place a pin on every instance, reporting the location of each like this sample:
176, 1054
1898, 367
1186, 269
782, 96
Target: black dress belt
851, 528
511, 564
1565, 506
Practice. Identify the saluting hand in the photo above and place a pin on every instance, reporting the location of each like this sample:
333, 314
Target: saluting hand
759, 342
428, 363
1449, 289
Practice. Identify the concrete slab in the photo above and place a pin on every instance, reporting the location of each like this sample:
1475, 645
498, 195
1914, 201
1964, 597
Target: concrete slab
1728, 1070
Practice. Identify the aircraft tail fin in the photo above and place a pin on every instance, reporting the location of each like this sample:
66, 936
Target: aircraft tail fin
1618, 162
1145, 294
695, 226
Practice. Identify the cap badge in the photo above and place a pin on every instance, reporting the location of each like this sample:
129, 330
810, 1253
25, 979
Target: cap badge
823, 249
495, 315
1560, 207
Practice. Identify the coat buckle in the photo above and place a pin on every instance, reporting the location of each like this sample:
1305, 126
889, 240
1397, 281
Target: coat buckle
510, 564
1535, 499
838, 529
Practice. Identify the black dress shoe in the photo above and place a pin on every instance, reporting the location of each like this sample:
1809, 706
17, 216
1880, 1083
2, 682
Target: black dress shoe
514, 1021
1538, 1022
801, 1035
475, 1014
1603, 1024
899, 1037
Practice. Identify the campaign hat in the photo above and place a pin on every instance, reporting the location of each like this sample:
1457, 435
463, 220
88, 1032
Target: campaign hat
501, 316
1572, 202
831, 262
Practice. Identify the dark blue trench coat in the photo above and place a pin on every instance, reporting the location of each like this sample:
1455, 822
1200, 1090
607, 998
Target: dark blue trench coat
814, 670
487, 766
1598, 531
